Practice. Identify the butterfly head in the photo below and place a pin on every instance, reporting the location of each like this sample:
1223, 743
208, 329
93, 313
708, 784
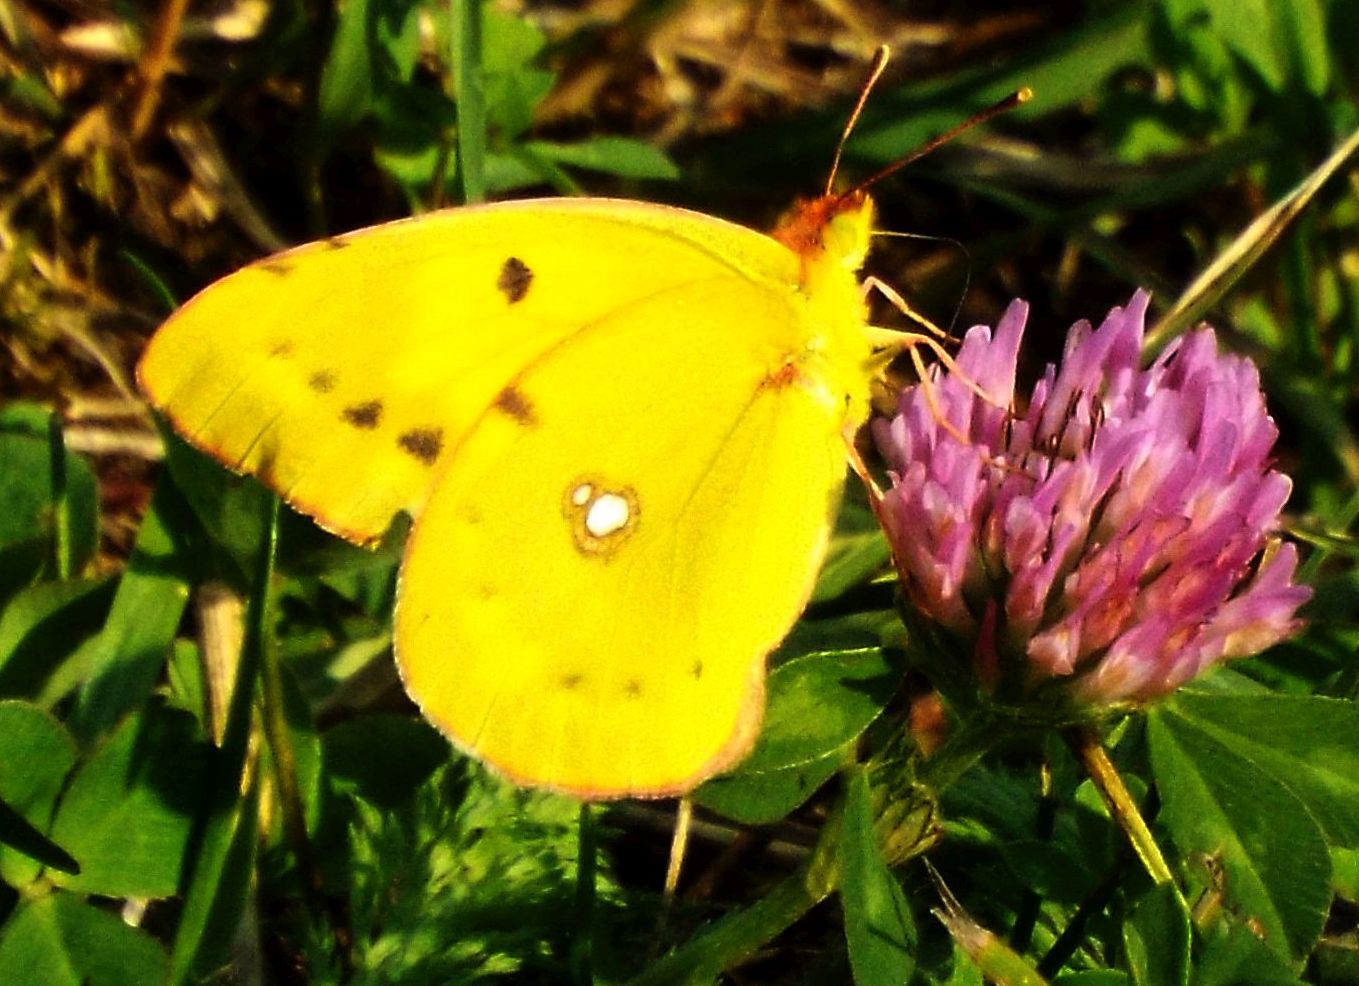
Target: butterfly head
833, 228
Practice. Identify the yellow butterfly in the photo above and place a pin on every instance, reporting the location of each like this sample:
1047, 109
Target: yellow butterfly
620, 429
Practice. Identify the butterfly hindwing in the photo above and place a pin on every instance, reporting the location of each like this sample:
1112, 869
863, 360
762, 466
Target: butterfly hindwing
588, 598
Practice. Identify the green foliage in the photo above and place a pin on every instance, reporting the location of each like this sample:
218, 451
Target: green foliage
128, 807
464, 879
60, 940
818, 705
371, 75
1158, 936
879, 927
36, 755
1257, 838
30, 511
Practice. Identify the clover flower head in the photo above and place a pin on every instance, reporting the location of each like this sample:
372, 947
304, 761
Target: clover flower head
1112, 536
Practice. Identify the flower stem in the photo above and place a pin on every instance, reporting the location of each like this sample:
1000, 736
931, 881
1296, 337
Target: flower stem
1086, 744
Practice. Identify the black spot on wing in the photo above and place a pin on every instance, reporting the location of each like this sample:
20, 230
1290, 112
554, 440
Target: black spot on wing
366, 415
514, 280
281, 350
423, 444
633, 688
322, 381
516, 405
697, 670
571, 681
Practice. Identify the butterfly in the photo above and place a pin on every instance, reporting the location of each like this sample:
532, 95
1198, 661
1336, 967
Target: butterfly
620, 429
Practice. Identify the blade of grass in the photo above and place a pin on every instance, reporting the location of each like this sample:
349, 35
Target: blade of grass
279, 737
229, 817
1219, 276
738, 936
582, 941
61, 505
470, 92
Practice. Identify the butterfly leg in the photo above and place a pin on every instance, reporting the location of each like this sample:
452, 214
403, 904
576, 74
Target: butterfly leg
895, 299
860, 467
888, 340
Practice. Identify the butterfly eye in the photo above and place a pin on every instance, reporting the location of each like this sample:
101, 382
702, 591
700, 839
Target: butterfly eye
601, 515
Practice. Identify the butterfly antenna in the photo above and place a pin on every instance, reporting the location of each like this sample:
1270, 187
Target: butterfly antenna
1016, 98
875, 71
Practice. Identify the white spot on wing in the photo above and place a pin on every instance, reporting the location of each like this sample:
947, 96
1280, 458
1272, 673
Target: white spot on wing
601, 515
607, 515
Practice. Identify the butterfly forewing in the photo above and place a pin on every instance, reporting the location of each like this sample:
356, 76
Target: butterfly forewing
341, 372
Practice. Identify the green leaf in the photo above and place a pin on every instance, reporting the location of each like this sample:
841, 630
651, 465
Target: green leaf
1233, 956
32, 93
1067, 867
1310, 744
514, 83
44, 623
1093, 977
1284, 42
820, 702
26, 505
304, 744
1053, 871
375, 46
879, 929
1345, 874
1271, 851
991, 807
869, 627
18, 834
766, 797
1241, 254
345, 95
1157, 936
229, 507
36, 755
468, 78
127, 813
963, 972
59, 940
498, 87
817, 705
471, 881
1061, 72
126, 660
415, 145
857, 552
620, 156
